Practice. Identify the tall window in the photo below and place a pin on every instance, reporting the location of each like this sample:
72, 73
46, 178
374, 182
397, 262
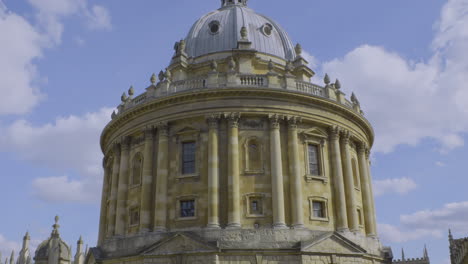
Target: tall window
313, 159
188, 157
187, 208
318, 209
137, 169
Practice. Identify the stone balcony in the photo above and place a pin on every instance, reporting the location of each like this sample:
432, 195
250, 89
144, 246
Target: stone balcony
166, 87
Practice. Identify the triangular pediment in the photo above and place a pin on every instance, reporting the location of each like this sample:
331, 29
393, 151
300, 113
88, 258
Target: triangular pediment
315, 132
187, 130
179, 244
332, 243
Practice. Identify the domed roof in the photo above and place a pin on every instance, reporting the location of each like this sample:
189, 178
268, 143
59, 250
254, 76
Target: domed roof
53, 247
220, 30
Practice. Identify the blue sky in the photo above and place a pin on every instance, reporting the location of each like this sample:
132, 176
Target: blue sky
65, 63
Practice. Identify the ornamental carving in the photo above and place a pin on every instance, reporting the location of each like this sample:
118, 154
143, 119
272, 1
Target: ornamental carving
233, 119
163, 128
275, 121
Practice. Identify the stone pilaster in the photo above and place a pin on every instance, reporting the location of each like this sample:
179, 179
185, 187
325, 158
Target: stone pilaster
213, 172
147, 181
276, 173
121, 210
160, 212
295, 172
233, 171
103, 219
113, 191
366, 190
339, 191
349, 182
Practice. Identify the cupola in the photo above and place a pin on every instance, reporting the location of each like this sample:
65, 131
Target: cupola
233, 2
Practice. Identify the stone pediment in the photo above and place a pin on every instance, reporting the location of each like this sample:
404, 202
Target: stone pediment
314, 132
332, 243
187, 130
179, 244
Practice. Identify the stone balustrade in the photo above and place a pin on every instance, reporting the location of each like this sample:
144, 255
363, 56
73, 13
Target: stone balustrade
233, 80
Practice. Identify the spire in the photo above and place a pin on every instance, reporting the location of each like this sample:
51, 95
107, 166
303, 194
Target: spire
26, 240
24, 253
402, 255
12, 257
425, 255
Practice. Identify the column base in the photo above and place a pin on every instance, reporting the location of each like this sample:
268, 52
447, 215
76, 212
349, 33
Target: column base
213, 226
342, 229
144, 230
298, 226
280, 226
159, 229
233, 226
356, 230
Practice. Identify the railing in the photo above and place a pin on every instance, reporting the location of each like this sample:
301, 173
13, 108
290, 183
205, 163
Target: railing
139, 99
310, 88
189, 84
253, 80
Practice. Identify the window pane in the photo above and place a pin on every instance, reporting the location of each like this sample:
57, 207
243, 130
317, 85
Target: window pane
313, 160
188, 158
318, 209
187, 208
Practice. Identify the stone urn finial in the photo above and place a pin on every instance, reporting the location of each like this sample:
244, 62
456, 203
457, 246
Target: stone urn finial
124, 98
298, 49
271, 65
214, 66
153, 79
131, 91
244, 33
161, 76
337, 84
326, 79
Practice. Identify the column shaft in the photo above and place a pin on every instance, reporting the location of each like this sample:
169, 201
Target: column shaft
366, 191
213, 173
339, 192
233, 172
369, 179
147, 182
160, 212
296, 179
121, 211
276, 174
349, 183
104, 196
113, 192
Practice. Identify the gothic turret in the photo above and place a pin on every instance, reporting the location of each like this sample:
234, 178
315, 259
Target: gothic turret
79, 256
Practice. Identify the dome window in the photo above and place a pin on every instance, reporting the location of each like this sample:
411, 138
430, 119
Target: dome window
267, 29
214, 27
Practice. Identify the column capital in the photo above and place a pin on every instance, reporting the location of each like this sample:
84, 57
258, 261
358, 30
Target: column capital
163, 128
125, 143
293, 121
368, 152
213, 120
149, 132
345, 136
116, 149
233, 119
362, 148
275, 121
334, 132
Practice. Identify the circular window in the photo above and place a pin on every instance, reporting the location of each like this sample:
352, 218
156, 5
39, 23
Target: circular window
214, 27
267, 29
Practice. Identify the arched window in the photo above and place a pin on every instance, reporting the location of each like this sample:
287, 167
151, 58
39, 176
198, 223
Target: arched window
137, 165
355, 173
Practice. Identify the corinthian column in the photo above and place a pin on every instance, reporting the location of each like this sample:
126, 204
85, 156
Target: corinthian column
349, 182
233, 171
123, 188
113, 191
104, 196
276, 173
160, 212
339, 192
147, 181
366, 190
295, 172
213, 172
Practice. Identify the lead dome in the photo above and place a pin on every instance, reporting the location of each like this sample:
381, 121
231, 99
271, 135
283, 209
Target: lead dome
220, 30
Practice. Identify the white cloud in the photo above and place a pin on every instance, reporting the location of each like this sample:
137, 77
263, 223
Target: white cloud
70, 145
99, 18
62, 189
428, 223
440, 164
6, 246
408, 101
18, 92
396, 185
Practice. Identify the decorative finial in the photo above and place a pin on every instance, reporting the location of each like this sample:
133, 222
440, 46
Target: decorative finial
298, 49
403, 254
425, 255
153, 79
450, 235
243, 33
354, 99
326, 79
181, 46
168, 74
289, 67
56, 226
161, 76
131, 91
271, 66
214, 66
337, 84
124, 98
232, 64
80, 241
26, 236
113, 115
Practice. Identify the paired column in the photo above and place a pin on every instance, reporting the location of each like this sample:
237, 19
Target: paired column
123, 188
340, 198
277, 173
233, 171
147, 181
213, 172
349, 182
160, 214
295, 172
104, 197
113, 191
366, 190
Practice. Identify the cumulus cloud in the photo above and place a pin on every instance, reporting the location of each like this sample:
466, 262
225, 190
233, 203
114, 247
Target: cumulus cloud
70, 144
99, 18
428, 223
63, 189
396, 185
409, 101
